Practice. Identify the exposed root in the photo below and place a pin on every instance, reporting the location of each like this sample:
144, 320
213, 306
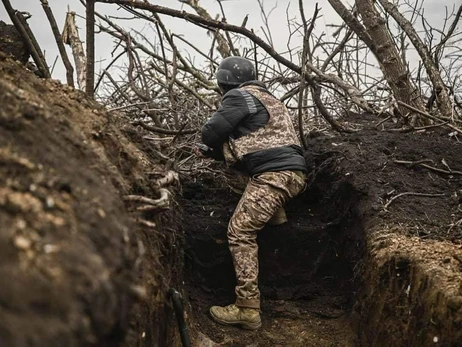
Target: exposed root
151, 204
166, 179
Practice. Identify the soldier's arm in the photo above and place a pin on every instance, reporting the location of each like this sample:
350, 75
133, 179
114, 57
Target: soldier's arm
222, 123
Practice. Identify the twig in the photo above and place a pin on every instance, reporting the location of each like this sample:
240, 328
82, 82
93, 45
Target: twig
410, 193
209, 58
306, 38
431, 126
420, 163
425, 114
54, 65
316, 93
59, 42
107, 68
383, 121
127, 106
165, 131
352, 91
228, 37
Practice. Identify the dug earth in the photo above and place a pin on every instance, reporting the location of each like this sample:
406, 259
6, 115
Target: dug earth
371, 255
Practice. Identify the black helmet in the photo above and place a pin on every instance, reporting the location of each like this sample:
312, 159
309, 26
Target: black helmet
234, 71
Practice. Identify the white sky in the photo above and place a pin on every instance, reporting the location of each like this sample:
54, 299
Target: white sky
235, 11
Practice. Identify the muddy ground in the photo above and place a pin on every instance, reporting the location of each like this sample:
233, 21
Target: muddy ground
357, 263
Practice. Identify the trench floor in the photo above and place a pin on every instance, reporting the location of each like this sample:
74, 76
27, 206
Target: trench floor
322, 321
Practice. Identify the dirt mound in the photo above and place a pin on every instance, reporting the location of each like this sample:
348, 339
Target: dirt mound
411, 179
71, 253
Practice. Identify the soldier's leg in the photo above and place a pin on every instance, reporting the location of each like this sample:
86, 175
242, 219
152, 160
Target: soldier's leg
237, 182
264, 195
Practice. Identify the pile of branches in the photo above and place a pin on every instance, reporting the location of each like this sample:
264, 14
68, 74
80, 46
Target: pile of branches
165, 83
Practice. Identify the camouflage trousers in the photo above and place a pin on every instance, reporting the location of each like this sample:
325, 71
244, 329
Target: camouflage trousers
264, 194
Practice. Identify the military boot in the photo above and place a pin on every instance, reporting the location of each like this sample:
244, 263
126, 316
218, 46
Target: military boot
278, 218
246, 318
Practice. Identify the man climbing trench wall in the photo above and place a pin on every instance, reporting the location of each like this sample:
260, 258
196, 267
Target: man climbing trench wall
253, 133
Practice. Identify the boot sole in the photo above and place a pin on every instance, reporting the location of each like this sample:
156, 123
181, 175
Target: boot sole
243, 325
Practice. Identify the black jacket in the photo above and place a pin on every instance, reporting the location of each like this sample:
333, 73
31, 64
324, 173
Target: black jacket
240, 114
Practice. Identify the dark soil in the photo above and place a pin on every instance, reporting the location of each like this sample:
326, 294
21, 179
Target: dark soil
74, 262
11, 43
312, 268
369, 156
357, 263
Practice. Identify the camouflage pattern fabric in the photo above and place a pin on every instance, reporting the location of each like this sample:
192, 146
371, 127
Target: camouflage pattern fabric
263, 196
278, 132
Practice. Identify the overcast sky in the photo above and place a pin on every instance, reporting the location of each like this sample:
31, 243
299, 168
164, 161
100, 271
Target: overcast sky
235, 11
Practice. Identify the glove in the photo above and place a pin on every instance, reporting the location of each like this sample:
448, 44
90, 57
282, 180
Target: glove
202, 150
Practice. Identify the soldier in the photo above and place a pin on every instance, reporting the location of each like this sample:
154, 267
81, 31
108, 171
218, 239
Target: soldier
252, 130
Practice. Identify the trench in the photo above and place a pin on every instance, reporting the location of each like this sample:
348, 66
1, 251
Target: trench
309, 267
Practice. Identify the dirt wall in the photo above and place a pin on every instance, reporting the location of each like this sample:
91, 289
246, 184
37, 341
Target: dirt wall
411, 290
77, 269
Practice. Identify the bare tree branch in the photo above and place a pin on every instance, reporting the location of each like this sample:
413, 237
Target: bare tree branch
59, 42
350, 90
90, 72
444, 103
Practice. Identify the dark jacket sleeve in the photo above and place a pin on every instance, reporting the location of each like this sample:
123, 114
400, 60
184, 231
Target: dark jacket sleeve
219, 127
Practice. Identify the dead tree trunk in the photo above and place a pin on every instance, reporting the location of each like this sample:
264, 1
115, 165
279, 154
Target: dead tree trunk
444, 102
90, 73
71, 37
59, 42
387, 54
376, 36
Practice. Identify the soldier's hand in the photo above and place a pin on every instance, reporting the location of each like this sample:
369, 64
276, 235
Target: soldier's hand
199, 150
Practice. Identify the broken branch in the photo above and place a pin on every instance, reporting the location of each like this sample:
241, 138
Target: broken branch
410, 193
59, 42
421, 163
